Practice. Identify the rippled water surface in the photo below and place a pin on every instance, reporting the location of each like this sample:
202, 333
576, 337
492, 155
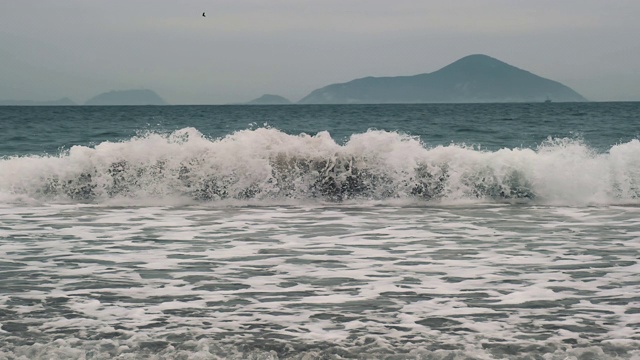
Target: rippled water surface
44, 129
324, 281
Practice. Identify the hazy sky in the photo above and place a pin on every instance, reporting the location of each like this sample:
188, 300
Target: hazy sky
51, 49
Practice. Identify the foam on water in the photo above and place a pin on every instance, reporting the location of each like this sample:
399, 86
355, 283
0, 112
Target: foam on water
84, 281
265, 164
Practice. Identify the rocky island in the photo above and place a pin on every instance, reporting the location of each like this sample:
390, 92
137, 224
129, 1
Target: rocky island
269, 99
472, 79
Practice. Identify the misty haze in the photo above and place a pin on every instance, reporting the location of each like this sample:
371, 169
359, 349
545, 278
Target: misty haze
242, 50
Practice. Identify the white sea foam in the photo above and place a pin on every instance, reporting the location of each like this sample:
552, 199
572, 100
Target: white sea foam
267, 166
332, 281
266, 245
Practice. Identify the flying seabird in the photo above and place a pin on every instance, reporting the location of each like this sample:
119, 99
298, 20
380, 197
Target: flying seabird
203, 15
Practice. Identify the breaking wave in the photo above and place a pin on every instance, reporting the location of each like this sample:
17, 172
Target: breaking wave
267, 164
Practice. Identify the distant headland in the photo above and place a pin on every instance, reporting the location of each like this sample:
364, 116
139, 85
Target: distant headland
127, 97
269, 99
472, 79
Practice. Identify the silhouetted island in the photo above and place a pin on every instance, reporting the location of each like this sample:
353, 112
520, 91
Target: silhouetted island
474, 78
62, 102
268, 99
127, 97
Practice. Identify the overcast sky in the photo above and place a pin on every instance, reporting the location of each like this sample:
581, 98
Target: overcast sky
242, 49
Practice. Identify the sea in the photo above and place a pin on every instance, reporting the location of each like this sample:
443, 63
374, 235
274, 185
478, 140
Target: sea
408, 231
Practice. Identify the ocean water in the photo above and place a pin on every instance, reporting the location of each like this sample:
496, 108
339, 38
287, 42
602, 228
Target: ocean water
437, 231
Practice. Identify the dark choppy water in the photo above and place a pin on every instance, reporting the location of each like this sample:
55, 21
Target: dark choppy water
27, 130
489, 231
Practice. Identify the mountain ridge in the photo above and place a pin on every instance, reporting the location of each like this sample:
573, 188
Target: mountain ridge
269, 99
473, 78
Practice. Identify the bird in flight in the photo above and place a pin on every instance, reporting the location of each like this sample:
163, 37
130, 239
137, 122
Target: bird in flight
203, 15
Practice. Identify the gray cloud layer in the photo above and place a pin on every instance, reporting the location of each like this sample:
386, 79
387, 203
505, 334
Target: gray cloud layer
244, 48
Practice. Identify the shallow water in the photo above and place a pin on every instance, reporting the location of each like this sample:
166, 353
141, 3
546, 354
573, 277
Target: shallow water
329, 281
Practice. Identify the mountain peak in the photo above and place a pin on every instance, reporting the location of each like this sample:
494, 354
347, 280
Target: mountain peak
477, 58
473, 78
478, 62
270, 99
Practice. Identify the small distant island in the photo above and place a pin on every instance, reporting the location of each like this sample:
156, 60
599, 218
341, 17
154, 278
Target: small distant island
472, 79
127, 97
61, 102
269, 99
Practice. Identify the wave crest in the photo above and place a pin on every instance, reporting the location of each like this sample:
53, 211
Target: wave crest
265, 163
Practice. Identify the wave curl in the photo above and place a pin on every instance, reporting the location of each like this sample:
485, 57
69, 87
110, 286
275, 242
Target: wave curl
267, 164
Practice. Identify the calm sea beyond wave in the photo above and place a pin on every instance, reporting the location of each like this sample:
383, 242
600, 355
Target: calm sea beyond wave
436, 231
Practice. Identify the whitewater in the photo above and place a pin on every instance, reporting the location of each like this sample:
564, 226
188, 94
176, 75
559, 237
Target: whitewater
468, 231
268, 165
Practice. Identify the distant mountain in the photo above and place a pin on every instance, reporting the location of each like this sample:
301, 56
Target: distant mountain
61, 102
127, 97
269, 99
475, 78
